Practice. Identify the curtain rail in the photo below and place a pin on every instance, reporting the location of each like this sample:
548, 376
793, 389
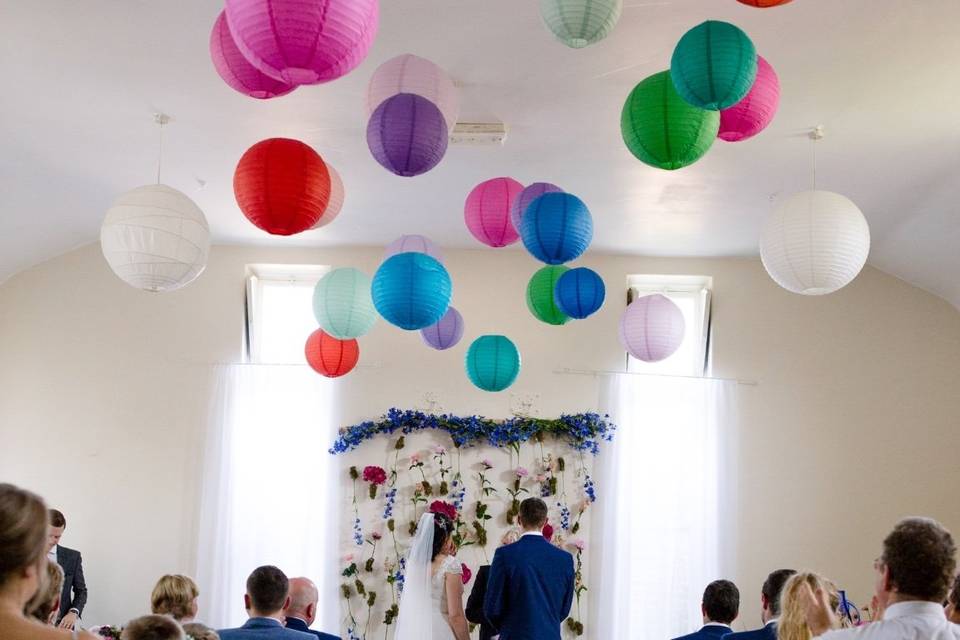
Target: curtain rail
610, 372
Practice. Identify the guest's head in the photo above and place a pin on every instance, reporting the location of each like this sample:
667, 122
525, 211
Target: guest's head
721, 602
175, 596
770, 594
58, 525
533, 514
511, 536
199, 631
792, 624
303, 600
267, 593
152, 627
23, 543
442, 535
953, 602
45, 604
917, 563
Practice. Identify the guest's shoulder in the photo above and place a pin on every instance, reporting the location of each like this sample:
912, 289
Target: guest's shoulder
755, 634
292, 634
696, 635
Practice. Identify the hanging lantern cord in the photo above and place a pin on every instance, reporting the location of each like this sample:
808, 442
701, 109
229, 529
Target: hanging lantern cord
161, 119
815, 135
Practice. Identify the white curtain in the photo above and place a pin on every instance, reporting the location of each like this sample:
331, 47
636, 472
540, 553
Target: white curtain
270, 489
662, 526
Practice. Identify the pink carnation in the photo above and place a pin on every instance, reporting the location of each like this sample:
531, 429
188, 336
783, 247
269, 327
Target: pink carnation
447, 509
376, 535
548, 532
486, 463
522, 473
439, 450
540, 478
579, 544
414, 458
374, 475
466, 573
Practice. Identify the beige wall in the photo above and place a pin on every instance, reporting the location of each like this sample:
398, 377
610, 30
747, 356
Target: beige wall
103, 400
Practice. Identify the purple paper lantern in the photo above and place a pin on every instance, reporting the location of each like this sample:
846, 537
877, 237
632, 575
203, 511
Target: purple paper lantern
446, 332
236, 71
416, 244
407, 135
652, 328
528, 195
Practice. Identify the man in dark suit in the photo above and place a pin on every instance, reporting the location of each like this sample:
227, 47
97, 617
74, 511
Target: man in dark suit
478, 593
530, 587
73, 597
720, 606
302, 610
265, 600
770, 612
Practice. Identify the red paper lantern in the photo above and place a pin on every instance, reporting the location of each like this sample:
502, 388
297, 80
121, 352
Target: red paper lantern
331, 357
763, 4
282, 186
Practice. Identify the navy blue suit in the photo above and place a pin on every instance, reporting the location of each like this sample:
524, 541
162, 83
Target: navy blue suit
530, 590
708, 632
768, 632
263, 629
300, 625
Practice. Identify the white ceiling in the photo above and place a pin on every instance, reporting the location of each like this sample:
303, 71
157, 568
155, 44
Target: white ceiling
83, 78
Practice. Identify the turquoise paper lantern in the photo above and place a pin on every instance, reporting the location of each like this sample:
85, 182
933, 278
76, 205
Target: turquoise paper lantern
579, 292
556, 228
411, 290
493, 362
342, 303
714, 65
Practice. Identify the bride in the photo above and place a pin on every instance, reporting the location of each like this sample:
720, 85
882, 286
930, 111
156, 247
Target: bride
431, 606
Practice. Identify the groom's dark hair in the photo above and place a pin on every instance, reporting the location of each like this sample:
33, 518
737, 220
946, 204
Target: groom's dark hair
721, 601
533, 513
267, 587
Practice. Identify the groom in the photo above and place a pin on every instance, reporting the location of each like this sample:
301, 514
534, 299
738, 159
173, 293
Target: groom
530, 588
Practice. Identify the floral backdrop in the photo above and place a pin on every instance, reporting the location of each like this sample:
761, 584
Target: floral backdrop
475, 470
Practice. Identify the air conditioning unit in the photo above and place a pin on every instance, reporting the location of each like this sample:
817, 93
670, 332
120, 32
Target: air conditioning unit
478, 133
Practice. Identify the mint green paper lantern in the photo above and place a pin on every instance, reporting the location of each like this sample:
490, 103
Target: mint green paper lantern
342, 303
714, 65
540, 295
492, 362
579, 23
661, 129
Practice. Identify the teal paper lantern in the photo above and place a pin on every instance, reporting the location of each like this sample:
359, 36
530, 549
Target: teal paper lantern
342, 303
714, 65
411, 290
540, 295
493, 362
661, 129
579, 23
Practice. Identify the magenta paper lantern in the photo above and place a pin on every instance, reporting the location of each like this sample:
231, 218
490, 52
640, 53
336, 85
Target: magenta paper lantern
239, 74
415, 244
303, 42
446, 333
407, 135
487, 211
408, 73
652, 328
751, 115
528, 195
337, 196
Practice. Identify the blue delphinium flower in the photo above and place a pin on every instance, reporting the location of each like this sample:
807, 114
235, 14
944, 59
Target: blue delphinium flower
588, 489
564, 516
357, 532
401, 574
352, 634
391, 499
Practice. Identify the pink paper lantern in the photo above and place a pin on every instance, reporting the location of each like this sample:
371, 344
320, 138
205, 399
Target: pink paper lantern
408, 73
528, 195
487, 211
751, 115
239, 74
652, 328
301, 42
337, 196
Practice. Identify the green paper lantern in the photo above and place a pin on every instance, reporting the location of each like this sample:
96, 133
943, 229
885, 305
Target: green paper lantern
714, 65
540, 298
661, 129
492, 363
342, 303
578, 23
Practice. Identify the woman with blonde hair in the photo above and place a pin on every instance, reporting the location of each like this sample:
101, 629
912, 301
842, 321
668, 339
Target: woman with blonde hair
792, 624
45, 605
175, 596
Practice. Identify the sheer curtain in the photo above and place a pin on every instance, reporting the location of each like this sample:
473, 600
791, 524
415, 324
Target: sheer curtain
269, 494
662, 524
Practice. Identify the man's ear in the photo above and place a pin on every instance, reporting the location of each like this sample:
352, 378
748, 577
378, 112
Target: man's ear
888, 584
286, 603
246, 601
311, 609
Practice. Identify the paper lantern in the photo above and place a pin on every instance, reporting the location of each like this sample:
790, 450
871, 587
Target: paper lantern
335, 204
408, 73
342, 303
815, 243
579, 292
446, 333
492, 363
301, 42
487, 211
155, 238
578, 23
282, 186
414, 243
411, 290
540, 299
661, 129
652, 328
751, 115
407, 135
528, 195
714, 65
331, 357
557, 228
236, 71
763, 4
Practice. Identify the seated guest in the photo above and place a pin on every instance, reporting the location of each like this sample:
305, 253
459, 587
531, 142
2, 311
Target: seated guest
302, 610
474, 609
265, 600
199, 631
793, 612
153, 627
953, 602
175, 596
74, 595
45, 605
770, 607
720, 606
913, 575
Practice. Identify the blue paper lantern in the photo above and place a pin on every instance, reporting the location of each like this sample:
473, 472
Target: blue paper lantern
556, 228
411, 290
493, 362
579, 292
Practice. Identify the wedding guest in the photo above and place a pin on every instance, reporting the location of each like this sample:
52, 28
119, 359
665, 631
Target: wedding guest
770, 607
175, 596
479, 591
302, 610
45, 605
913, 574
793, 612
23, 543
199, 631
74, 595
265, 600
152, 627
952, 609
720, 607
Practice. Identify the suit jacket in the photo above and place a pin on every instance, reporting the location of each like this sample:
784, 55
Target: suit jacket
708, 632
299, 625
530, 589
474, 609
263, 629
74, 594
769, 632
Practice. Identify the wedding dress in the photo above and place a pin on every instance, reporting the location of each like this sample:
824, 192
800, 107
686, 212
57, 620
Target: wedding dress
439, 611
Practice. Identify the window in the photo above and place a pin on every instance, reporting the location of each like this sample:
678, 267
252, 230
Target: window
280, 311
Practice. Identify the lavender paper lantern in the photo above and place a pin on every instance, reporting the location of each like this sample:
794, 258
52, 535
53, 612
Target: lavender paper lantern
528, 195
446, 333
407, 135
408, 73
751, 115
487, 211
236, 71
652, 328
337, 196
416, 244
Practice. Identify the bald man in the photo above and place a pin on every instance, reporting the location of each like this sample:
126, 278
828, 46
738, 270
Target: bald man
302, 609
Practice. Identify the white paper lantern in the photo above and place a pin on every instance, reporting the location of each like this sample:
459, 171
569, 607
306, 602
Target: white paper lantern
578, 23
337, 196
155, 238
815, 243
652, 328
408, 73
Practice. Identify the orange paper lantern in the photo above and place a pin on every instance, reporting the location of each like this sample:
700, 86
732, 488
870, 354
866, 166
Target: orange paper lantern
763, 4
282, 186
331, 357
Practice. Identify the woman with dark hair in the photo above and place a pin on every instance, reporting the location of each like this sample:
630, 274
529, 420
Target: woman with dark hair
953, 602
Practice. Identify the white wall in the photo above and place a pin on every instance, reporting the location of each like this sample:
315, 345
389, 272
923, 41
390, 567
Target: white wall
104, 389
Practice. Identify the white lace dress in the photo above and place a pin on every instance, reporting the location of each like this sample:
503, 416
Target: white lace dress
438, 592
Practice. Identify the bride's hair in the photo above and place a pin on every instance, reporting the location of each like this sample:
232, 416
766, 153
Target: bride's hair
442, 530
